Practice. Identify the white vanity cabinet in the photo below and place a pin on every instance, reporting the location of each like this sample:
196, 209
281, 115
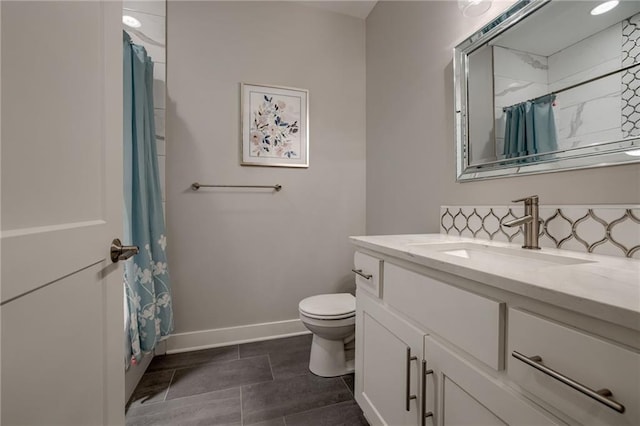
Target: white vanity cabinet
466, 332
458, 393
472, 322
389, 352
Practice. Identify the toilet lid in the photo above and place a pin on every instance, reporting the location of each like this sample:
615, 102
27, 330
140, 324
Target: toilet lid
330, 306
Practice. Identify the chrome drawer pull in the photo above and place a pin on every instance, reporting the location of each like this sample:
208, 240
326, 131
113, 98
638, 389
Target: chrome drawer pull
408, 395
599, 395
359, 272
425, 414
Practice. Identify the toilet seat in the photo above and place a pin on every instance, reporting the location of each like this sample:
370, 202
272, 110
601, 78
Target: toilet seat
328, 306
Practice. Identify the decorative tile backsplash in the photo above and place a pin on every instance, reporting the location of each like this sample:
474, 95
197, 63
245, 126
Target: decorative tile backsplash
612, 230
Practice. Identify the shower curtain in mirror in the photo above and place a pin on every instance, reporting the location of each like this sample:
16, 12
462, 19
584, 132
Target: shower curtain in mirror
146, 277
530, 128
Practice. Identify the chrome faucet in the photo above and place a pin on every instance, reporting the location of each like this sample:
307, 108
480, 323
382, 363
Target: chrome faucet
530, 220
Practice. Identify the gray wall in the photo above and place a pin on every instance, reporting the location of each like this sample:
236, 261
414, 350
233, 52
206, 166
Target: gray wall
249, 256
410, 139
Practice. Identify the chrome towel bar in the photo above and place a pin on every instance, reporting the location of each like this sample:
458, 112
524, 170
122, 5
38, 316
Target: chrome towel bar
195, 186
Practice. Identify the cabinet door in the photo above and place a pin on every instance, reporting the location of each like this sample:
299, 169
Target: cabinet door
459, 393
461, 409
385, 346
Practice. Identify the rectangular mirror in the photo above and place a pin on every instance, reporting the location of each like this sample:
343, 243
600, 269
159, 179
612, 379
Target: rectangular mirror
549, 86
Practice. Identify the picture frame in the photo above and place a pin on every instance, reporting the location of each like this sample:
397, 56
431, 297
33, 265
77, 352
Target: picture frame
275, 126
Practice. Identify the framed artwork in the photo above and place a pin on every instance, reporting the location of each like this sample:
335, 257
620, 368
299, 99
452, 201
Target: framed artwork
275, 126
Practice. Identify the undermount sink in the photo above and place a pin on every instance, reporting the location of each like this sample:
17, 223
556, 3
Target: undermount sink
487, 253
480, 252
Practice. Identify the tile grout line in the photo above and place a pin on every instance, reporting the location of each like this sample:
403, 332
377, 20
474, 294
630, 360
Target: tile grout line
272, 380
317, 408
202, 393
190, 365
164, 398
208, 363
273, 377
241, 414
221, 362
215, 390
348, 388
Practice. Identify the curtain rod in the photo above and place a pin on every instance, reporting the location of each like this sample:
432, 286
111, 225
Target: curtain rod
573, 86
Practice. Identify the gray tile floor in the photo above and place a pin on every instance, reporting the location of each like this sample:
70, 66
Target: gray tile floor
263, 384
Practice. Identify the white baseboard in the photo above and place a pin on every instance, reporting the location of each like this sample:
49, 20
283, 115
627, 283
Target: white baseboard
205, 339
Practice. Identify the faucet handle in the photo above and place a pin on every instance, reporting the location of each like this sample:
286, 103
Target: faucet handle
530, 199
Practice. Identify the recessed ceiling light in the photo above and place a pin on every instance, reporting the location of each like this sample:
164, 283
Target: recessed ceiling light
130, 21
471, 8
604, 7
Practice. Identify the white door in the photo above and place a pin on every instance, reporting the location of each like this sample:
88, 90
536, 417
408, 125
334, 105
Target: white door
61, 191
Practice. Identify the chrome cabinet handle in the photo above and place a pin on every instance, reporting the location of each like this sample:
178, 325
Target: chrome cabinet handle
408, 395
599, 395
424, 413
363, 275
120, 252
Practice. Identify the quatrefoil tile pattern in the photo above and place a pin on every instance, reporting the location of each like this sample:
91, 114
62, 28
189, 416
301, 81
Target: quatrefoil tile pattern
601, 229
630, 91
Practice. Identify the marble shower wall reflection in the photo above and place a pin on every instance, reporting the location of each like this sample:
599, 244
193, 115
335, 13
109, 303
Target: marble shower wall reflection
603, 110
590, 113
612, 230
153, 35
517, 77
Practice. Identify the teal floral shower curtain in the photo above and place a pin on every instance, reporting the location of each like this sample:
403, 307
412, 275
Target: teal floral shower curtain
146, 276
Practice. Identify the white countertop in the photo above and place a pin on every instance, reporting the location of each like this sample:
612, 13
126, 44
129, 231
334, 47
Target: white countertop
606, 287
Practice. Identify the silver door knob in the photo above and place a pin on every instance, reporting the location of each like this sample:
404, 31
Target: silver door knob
120, 252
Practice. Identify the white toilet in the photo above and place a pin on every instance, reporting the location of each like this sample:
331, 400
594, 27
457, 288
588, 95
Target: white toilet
332, 320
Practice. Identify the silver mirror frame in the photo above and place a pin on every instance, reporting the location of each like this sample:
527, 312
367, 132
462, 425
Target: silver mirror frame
606, 154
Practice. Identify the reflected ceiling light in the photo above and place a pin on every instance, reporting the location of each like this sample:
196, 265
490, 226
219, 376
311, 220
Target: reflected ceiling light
130, 21
604, 7
472, 8
634, 153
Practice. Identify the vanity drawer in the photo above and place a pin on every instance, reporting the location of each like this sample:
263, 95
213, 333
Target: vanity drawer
471, 322
587, 360
368, 271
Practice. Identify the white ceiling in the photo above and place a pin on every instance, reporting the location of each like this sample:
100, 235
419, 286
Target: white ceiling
560, 24
358, 8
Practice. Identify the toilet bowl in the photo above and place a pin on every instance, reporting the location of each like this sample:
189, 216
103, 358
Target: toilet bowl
332, 320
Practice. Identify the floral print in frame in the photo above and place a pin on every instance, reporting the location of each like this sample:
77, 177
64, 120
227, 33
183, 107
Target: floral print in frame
274, 126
